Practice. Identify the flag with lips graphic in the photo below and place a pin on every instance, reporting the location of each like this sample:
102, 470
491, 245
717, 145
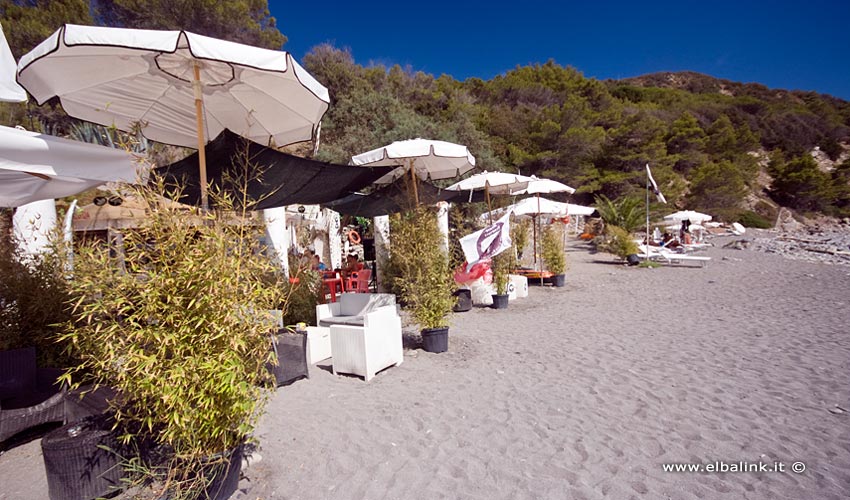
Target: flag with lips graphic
488, 242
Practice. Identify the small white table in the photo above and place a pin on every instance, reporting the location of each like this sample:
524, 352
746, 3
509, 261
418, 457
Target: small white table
318, 344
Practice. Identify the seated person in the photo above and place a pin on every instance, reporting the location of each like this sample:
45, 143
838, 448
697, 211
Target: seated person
318, 265
351, 266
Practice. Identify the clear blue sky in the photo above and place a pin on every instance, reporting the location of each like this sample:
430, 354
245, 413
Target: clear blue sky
795, 45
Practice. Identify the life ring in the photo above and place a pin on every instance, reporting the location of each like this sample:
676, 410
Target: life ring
353, 237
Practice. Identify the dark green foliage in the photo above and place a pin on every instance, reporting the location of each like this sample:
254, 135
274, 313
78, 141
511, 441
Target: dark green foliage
801, 184
717, 185
242, 21
627, 213
542, 119
26, 23
748, 218
33, 303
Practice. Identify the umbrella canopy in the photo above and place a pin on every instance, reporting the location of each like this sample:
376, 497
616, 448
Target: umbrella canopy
10, 91
38, 167
545, 186
538, 206
695, 217
494, 182
182, 88
271, 178
579, 209
116, 76
430, 159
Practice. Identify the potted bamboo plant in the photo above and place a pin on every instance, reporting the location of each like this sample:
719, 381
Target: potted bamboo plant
500, 265
182, 333
419, 272
553, 254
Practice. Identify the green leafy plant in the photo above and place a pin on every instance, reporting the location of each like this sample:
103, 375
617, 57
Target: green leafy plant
519, 235
748, 218
33, 301
627, 212
501, 266
418, 268
553, 249
182, 332
617, 241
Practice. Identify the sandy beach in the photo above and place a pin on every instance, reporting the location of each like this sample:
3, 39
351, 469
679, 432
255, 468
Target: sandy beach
582, 392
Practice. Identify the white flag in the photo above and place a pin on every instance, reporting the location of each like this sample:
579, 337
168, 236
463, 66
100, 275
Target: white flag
655, 186
488, 242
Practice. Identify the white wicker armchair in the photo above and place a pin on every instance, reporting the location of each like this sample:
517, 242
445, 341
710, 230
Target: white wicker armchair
365, 333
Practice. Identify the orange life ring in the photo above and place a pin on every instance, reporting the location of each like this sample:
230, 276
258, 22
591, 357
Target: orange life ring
353, 237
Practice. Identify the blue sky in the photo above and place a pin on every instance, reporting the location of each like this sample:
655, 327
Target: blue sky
792, 45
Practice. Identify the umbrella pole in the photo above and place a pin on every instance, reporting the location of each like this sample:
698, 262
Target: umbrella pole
413, 178
489, 208
202, 154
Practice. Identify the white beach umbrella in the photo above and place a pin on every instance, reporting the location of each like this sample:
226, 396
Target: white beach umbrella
492, 182
695, 217
182, 88
535, 206
10, 91
39, 166
573, 209
545, 186
425, 158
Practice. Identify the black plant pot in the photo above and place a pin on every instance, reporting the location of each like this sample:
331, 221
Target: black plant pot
435, 339
464, 300
76, 466
559, 280
500, 301
291, 350
633, 259
223, 475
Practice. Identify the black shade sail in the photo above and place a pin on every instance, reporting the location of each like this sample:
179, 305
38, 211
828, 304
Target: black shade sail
396, 197
272, 179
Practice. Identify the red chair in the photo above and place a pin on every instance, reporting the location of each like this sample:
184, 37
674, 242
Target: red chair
359, 281
332, 284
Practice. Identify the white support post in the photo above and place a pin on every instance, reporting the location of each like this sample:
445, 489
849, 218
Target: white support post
381, 230
334, 239
278, 235
443, 223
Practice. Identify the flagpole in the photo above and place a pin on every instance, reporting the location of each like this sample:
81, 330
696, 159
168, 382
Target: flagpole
647, 213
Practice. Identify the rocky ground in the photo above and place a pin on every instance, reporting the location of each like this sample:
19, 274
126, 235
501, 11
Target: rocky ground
827, 242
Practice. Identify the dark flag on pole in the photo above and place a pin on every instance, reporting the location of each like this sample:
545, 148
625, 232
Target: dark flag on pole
654, 186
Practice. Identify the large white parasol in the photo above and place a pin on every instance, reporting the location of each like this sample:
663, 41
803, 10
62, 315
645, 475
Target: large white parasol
540, 186
182, 88
694, 217
492, 183
39, 166
10, 91
425, 159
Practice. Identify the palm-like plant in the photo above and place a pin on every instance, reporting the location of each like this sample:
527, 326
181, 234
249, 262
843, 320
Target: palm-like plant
625, 212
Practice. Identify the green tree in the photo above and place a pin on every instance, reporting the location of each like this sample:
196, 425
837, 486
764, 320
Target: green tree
26, 23
242, 21
717, 186
800, 184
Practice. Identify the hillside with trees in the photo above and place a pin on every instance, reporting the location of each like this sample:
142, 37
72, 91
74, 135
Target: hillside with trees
736, 150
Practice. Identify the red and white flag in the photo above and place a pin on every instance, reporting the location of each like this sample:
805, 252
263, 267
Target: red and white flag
654, 186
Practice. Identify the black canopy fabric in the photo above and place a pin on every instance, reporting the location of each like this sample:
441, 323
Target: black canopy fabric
272, 178
396, 197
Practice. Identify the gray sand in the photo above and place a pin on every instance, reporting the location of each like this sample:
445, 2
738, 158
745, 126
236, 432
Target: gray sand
582, 392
